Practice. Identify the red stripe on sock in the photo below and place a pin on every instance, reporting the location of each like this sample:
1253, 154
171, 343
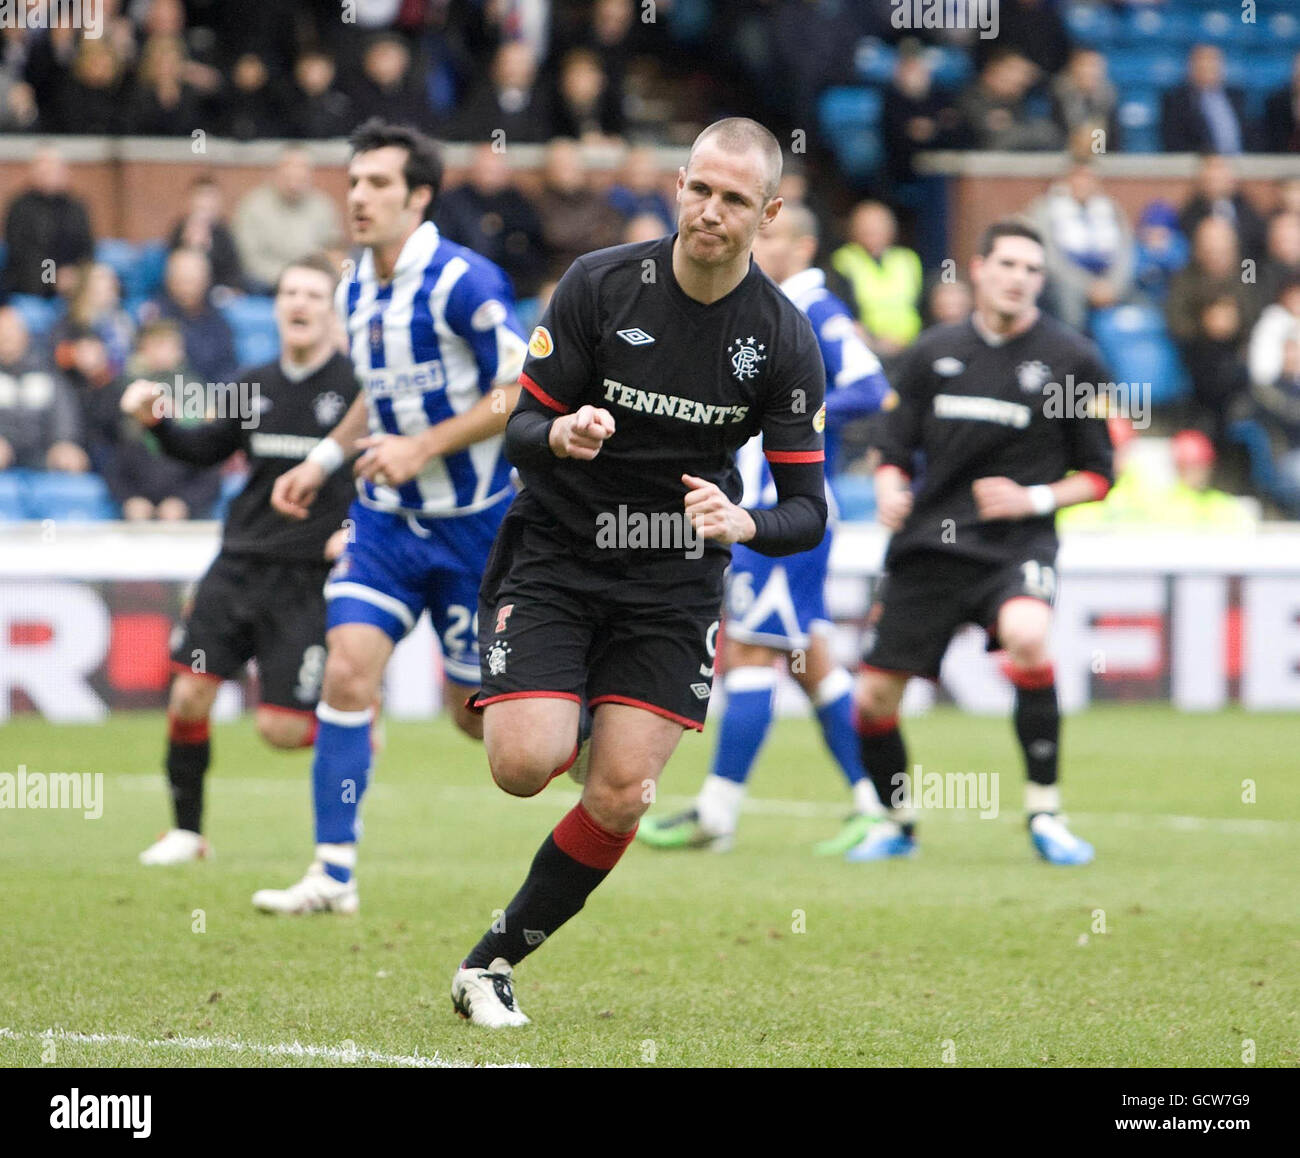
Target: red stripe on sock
587, 842
877, 727
186, 731
1032, 679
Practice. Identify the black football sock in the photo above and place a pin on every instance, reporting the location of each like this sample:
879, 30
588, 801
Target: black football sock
884, 756
1038, 721
572, 861
188, 753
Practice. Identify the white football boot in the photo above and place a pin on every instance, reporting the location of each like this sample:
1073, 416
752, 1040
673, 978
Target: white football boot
486, 996
179, 846
317, 892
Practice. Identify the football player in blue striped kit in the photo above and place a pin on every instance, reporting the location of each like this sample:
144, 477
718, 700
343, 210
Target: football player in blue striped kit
437, 349
775, 607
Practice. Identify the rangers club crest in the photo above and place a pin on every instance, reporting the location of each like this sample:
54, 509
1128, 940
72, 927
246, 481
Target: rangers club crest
1033, 376
327, 407
746, 358
496, 657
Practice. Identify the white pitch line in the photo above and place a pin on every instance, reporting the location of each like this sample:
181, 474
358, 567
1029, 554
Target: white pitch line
294, 1049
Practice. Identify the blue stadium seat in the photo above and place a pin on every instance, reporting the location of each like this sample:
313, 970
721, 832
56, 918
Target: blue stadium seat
528, 313
1175, 26
119, 255
1139, 120
874, 60
951, 67
1226, 28
1162, 67
12, 508
145, 277
39, 313
1282, 29
1137, 347
253, 319
849, 117
855, 495
78, 497
1091, 24
1264, 475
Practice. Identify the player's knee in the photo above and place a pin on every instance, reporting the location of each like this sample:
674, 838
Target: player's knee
189, 699
1025, 643
618, 803
283, 729
349, 684
519, 767
876, 696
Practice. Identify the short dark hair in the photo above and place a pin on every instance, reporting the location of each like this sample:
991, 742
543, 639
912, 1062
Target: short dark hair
1011, 228
423, 158
317, 261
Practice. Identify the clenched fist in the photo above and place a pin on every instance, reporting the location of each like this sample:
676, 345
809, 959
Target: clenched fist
581, 435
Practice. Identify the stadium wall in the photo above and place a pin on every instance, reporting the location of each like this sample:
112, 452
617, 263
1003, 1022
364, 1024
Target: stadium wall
86, 613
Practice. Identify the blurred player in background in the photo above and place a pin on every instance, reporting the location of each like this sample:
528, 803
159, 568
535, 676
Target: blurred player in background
775, 608
262, 597
695, 351
976, 458
437, 349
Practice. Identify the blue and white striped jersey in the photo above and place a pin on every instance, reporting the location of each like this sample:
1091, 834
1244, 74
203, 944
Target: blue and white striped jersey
426, 346
855, 383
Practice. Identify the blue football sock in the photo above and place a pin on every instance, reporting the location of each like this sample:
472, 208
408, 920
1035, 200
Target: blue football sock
340, 772
833, 702
750, 691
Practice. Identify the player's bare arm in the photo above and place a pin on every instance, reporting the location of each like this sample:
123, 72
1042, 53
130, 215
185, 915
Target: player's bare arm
296, 489
714, 516
893, 497
1002, 498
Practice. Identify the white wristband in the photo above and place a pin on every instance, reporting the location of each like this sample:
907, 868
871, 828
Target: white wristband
327, 454
1042, 499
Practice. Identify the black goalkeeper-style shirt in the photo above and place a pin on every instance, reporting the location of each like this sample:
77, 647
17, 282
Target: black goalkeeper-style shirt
969, 409
687, 385
290, 419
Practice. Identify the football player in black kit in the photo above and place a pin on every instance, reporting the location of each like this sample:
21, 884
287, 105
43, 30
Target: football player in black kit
985, 444
263, 595
653, 363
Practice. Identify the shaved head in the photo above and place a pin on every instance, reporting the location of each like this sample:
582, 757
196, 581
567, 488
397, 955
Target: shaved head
740, 135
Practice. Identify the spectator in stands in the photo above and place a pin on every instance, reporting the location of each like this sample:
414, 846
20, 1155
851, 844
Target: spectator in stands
493, 218
18, 111
885, 278
1084, 98
643, 227
509, 104
1281, 255
164, 103
949, 302
1191, 502
1278, 324
317, 109
1282, 115
204, 228
639, 190
1277, 410
575, 219
95, 383
250, 104
386, 87
586, 107
995, 111
96, 308
1211, 312
47, 229
1032, 28
1161, 251
1087, 242
187, 300
1203, 115
89, 100
47, 67
1217, 194
283, 220
915, 114
144, 481
40, 424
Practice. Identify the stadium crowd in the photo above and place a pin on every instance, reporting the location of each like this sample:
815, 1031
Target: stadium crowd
1165, 294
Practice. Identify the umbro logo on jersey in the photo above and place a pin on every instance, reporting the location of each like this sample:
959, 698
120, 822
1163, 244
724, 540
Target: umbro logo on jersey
635, 337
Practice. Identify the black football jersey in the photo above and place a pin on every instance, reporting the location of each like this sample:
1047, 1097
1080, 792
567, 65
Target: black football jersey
687, 384
292, 417
971, 409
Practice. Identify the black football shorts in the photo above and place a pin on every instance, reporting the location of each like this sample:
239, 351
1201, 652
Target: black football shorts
637, 631
248, 607
924, 598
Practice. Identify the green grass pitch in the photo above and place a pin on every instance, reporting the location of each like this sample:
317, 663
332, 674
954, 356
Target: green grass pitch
972, 954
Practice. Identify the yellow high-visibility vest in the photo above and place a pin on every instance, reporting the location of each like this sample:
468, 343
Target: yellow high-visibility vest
887, 291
